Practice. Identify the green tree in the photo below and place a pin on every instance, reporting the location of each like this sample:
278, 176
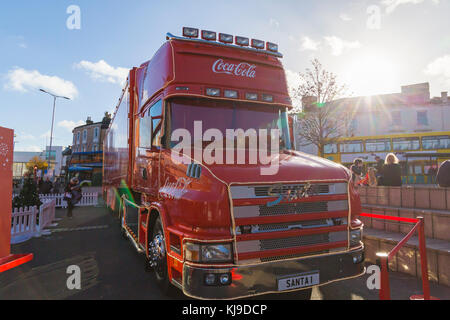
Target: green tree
28, 196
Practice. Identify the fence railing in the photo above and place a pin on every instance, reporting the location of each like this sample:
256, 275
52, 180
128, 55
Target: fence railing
87, 199
27, 222
384, 257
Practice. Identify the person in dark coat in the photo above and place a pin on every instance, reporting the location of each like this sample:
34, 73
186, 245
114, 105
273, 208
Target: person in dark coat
379, 166
443, 175
356, 170
391, 173
72, 195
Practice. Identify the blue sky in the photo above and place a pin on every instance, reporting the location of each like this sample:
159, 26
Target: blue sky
373, 46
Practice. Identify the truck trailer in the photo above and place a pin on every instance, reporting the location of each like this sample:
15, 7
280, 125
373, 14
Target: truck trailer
230, 227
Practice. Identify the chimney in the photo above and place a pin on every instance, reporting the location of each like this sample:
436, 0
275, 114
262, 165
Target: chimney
444, 97
89, 120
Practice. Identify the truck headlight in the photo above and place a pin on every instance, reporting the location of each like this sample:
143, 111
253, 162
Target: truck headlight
208, 252
355, 237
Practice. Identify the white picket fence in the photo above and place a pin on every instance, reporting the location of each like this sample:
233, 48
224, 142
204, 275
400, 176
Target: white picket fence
28, 222
87, 199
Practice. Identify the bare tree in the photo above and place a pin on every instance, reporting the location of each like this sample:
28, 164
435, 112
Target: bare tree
321, 121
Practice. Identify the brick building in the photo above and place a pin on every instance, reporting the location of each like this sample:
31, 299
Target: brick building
86, 159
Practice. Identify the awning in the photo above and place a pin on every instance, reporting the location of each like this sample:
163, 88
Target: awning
80, 169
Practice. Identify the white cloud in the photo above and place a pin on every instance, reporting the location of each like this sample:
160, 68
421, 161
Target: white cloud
338, 45
391, 5
440, 67
28, 148
294, 81
102, 71
345, 17
309, 44
292, 78
69, 124
23, 136
19, 79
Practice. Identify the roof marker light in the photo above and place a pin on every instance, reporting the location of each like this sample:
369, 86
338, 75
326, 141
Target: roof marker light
258, 44
272, 47
242, 41
190, 32
267, 98
208, 35
233, 94
225, 38
213, 92
251, 96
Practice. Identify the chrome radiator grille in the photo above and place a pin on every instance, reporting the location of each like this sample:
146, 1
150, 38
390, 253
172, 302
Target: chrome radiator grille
245, 210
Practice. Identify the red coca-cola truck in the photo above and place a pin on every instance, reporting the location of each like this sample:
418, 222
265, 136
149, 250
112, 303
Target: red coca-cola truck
225, 229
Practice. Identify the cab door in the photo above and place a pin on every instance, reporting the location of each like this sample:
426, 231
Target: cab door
146, 169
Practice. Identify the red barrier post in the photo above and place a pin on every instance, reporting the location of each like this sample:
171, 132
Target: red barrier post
385, 290
423, 264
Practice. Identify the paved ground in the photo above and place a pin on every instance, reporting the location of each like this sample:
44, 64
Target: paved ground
112, 269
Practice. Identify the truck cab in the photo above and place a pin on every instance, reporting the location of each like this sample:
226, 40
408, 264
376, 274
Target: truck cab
200, 166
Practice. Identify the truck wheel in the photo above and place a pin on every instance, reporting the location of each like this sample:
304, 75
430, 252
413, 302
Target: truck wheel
158, 257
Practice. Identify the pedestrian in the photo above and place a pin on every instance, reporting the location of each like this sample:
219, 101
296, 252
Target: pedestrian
57, 186
47, 186
379, 165
40, 185
443, 174
356, 170
72, 195
391, 173
370, 180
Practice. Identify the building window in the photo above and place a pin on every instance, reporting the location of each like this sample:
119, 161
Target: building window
84, 135
396, 118
94, 148
353, 126
96, 134
78, 137
422, 118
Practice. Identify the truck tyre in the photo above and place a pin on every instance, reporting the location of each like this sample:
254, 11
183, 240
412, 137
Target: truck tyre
158, 253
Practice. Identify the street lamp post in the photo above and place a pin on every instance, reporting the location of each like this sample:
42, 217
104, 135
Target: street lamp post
53, 119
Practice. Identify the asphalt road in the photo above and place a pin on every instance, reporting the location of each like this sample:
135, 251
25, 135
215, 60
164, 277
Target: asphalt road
112, 269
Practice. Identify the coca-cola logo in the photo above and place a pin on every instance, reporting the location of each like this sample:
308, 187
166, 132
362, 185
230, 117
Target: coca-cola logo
242, 69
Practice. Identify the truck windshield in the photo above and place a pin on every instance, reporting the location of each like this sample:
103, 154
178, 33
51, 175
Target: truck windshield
225, 115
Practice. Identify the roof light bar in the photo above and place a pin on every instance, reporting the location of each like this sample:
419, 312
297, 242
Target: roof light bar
208, 35
257, 44
190, 32
272, 47
225, 38
242, 41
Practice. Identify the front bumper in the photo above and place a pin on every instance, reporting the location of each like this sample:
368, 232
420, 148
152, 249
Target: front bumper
263, 278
